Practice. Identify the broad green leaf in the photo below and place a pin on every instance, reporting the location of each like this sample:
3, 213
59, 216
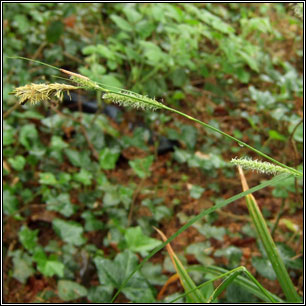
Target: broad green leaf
201, 251
57, 143
88, 50
196, 191
264, 267
17, 162
288, 254
70, 231
182, 156
126, 195
48, 266
8, 136
69, 290
51, 267
47, 178
138, 242
111, 198
61, 203
232, 253
276, 135
22, 266
153, 273
236, 294
132, 14
121, 23
112, 80
105, 52
28, 238
299, 133
10, 203
145, 28
78, 158
54, 31
139, 139
115, 272
189, 135
142, 166
210, 231
83, 177
91, 222
22, 23
108, 158
100, 294
28, 136
264, 99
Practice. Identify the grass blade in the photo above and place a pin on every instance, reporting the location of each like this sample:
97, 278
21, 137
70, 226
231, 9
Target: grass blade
268, 296
186, 281
200, 216
269, 245
242, 281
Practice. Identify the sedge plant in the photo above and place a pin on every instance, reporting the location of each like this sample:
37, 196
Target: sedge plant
34, 93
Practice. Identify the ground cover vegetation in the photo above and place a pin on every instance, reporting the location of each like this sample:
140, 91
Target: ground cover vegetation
93, 190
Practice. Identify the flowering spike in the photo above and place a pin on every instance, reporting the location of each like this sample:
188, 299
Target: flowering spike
127, 98
35, 93
259, 166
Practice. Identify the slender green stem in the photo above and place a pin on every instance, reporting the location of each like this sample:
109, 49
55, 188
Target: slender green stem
294, 171
98, 87
235, 139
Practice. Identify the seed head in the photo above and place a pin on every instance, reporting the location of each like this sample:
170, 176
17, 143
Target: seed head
131, 99
35, 93
259, 166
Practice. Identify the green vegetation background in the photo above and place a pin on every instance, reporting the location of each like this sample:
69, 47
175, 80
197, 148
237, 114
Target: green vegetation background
82, 192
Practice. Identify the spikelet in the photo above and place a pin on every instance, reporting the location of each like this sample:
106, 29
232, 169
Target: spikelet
259, 166
131, 99
35, 93
81, 80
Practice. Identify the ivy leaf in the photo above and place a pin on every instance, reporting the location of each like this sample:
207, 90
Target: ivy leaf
264, 267
17, 162
61, 203
57, 143
138, 242
116, 271
83, 177
22, 266
28, 136
47, 178
8, 135
91, 222
69, 290
10, 203
111, 197
287, 254
196, 191
48, 266
70, 231
100, 294
28, 238
141, 166
78, 158
108, 158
